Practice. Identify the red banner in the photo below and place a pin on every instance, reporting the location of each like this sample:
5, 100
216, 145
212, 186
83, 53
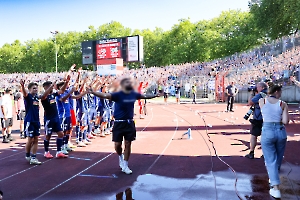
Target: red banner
109, 50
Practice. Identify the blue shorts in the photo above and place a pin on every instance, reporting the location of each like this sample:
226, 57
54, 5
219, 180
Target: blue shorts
92, 114
66, 123
99, 111
106, 115
83, 119
52, 125
32, 129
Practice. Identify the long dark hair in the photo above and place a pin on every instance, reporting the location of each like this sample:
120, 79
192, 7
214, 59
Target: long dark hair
274, 88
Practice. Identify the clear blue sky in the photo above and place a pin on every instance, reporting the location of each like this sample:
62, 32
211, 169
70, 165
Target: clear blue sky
34, 19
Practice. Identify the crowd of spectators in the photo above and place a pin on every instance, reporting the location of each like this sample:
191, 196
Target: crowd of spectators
244, 69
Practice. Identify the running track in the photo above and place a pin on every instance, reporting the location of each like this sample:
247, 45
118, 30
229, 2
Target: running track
165, 166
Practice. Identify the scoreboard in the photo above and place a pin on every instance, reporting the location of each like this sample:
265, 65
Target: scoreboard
129, 48
109, 50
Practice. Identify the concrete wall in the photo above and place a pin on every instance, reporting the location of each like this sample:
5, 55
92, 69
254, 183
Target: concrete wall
289, 94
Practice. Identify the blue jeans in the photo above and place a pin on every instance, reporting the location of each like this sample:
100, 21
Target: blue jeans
273, 141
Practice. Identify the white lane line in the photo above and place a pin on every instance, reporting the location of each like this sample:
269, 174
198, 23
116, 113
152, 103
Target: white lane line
99, 161
175, 131
12, 155
22, 171
149, 121
89, 166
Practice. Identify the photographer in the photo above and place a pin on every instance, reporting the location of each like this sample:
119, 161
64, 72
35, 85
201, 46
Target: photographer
257, 121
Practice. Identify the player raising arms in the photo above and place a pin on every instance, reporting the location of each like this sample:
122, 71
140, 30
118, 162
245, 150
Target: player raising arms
32, 120
52, 121
124, 126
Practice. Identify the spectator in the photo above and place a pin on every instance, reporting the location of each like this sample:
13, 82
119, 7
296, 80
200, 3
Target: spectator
274, 137
6, 116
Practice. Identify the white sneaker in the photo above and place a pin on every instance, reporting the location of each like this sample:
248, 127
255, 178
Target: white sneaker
275, 193
64, 151
121, 162
81, 144
107, 132
97, 131
69, 149
126, 170
34, 161
28, 158
102, 134
87, 142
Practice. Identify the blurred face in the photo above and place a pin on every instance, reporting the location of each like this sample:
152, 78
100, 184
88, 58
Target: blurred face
46, 88
127, 86
259, 87
33, 90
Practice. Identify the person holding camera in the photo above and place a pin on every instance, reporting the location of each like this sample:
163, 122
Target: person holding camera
257, 121
273, 140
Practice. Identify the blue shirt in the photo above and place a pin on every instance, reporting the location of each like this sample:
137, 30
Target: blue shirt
64, 108
257, 113
81, 104
91, 101
32, 108
50, 107
124, 104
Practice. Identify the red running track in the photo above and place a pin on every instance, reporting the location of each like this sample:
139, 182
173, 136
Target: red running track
164, 166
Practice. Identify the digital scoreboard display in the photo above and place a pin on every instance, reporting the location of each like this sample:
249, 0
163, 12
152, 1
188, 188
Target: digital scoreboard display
108, 50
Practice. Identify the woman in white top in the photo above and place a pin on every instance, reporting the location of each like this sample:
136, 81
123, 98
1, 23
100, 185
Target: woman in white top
273, 138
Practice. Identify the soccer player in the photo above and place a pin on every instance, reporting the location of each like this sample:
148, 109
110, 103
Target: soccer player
52, 121
20, 111
92, 113
32, 120
6, 116
106, 114
124, 126
64, 112
81, 115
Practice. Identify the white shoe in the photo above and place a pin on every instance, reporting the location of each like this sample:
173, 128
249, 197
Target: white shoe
34, 161
81, 144
275, 193
28, 158
87, 142
121, 162
69, 149
126, 170
107, 132
64, 151
102, 134
97, 131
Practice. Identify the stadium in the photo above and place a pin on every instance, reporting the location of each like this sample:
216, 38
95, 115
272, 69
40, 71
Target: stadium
205, 108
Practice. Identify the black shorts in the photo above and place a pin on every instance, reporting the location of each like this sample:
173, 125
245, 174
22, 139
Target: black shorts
256, 127
166, 95
32, 129
124, 130
21, 115
6, 123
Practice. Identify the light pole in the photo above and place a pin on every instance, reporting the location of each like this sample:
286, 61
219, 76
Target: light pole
54, 33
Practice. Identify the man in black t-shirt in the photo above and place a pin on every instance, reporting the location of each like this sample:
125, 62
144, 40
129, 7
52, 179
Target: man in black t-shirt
231, 93
124, 126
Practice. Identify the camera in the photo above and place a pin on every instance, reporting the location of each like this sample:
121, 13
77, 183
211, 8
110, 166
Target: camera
252, 89
249, 113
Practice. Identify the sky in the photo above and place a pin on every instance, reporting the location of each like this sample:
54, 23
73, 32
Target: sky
34, 19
